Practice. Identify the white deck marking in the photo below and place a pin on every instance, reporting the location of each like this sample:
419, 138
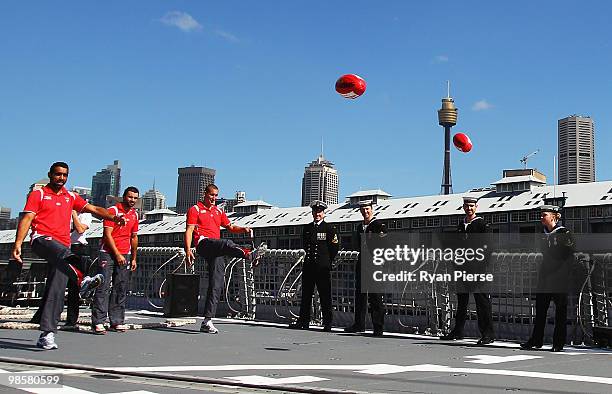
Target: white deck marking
370, 369
489, 359
256, 379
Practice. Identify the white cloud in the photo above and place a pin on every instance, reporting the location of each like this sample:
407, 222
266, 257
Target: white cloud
182, 20
441, 59
481, 105
227, 36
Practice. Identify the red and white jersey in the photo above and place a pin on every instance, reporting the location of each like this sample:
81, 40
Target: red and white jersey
122, 235
53, 212
207, 221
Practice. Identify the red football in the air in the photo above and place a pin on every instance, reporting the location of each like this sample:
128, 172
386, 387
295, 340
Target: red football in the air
350, 86
462, 142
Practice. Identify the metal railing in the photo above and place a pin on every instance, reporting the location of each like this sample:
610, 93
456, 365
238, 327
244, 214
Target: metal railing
272, 291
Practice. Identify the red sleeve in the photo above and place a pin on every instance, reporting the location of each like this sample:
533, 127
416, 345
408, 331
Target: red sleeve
33, 201
192, 216
224, 220
79, 203
110, 223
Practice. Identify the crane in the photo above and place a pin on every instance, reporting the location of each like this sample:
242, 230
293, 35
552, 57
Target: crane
526, 157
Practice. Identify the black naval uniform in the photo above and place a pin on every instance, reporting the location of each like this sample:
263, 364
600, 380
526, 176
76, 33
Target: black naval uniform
553, 280
377, 308
483, 303
321, 245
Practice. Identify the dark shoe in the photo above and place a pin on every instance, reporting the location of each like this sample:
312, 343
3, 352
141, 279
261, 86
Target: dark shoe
557, 349
530, 345
377, 333
451, 336
354, 328
485, 341
327, 328
298, 326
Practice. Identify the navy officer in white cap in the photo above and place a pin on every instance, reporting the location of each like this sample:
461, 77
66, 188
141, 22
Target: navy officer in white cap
558, 248
473, 224
368, 228
320, 242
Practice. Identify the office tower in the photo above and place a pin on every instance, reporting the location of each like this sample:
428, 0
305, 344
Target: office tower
576, 149
106, 182
320, 182
191, 184
153, 199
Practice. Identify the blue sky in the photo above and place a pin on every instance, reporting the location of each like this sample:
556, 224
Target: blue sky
247, 88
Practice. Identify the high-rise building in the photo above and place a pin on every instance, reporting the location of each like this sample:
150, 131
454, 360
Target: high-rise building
576, 149
153, 199
106, 182
320, 182
191, 184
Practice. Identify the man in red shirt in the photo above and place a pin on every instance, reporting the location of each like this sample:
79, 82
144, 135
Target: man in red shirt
203, 227
47, 212
117, 259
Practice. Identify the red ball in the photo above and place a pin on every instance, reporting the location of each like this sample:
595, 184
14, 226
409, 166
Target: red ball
350, 86
462, 142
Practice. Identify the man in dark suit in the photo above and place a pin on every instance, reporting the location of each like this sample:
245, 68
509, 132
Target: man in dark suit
320, 241
368, 228
472, 224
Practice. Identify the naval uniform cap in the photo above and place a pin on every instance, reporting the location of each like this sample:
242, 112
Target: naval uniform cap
549, 208
470, 199
365, 203
318, 205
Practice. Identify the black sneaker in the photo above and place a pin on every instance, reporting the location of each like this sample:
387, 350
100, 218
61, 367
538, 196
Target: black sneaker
485, 341
530, 344
298, 326
451, 336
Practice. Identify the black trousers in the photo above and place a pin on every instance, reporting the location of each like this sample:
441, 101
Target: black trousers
213, 251
63, 267
542, 304
377, 308
111, 301
483, 312
314, 275
73, 299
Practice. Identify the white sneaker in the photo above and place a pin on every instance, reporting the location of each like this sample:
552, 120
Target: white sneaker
257, 253
89, 285
208, 327
46, 341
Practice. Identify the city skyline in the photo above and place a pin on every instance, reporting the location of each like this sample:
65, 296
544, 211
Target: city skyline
173, 84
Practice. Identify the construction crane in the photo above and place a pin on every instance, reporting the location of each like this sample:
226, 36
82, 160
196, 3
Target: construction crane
525, 158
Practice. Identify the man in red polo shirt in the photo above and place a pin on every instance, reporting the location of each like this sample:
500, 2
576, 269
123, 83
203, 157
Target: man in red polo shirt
204, 221
48, 212
117, 259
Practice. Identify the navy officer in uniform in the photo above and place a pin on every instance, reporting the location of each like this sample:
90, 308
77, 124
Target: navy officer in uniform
368, 228
472, 224
320, 241
558, 248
